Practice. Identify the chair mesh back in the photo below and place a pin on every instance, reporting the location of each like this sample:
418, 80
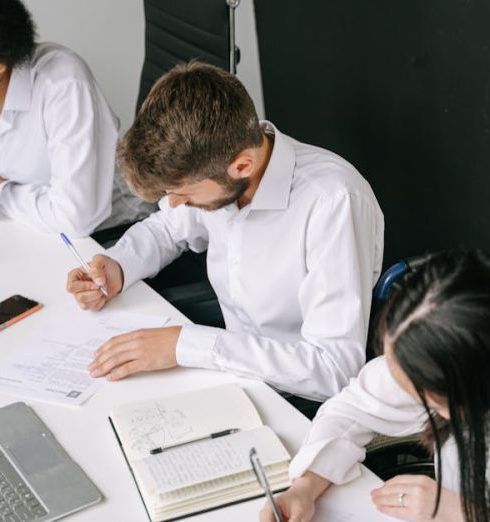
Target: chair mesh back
180, 30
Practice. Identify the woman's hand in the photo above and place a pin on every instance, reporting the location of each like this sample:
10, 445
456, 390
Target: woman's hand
412, 498
297, 504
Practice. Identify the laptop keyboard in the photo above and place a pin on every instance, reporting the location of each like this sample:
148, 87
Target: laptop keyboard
18, 503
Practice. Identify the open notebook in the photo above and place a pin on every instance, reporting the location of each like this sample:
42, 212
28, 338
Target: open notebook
186, 479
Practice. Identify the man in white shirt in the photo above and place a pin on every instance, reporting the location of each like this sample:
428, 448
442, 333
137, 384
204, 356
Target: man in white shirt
58, 137
293, 233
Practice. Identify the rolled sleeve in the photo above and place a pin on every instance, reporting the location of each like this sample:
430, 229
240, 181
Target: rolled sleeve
337, 460
344, 425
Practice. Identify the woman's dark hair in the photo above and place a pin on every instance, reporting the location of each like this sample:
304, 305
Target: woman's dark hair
438, 322
17, 33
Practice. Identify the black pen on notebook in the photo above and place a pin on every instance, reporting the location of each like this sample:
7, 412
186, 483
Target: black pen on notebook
80, 259
216, 435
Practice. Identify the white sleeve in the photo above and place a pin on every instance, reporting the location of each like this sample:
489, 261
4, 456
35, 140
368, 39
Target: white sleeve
372, 403
81, 136
343, 259
156, 241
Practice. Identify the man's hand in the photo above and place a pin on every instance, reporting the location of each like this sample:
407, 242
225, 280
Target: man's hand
297, 504
143, 350
419, 495
104, 271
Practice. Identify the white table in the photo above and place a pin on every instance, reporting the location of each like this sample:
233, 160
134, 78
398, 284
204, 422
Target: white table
35, 265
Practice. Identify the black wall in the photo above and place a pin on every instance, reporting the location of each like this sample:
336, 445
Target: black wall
400, 88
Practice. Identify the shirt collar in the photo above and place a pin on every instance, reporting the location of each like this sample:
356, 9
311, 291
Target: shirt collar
19, 90
275, 185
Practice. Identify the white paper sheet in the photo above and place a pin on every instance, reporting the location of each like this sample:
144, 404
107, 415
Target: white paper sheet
351, 502
52, 363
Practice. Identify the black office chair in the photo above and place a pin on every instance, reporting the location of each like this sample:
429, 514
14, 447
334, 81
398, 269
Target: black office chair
390, 456
178, 31
181, 30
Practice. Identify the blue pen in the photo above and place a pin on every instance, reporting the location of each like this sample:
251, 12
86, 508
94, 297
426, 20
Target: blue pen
83, 264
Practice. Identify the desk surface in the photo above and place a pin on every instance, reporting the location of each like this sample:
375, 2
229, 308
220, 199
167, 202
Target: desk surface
35, 265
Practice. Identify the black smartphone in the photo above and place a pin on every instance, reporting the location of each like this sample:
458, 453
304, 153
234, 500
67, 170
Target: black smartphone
16, 308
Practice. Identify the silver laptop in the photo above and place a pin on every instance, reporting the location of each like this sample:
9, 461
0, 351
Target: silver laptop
38, 480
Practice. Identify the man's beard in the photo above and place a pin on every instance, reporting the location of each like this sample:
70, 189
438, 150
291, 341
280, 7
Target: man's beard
235, 188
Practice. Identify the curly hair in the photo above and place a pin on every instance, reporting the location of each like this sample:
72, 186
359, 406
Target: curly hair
17, 33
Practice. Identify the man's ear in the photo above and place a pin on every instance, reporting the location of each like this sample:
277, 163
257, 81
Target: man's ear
242, 166
3, 68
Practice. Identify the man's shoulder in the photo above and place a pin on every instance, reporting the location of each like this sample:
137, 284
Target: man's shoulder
325, 173
55, 63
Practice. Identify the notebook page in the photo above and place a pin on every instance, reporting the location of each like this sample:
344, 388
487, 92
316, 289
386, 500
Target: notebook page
145, 425
202, 461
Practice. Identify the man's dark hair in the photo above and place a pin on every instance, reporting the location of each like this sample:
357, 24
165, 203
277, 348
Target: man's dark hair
194, 122
438, 322
17, 33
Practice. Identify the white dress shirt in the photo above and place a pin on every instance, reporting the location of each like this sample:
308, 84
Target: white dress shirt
57, 148
372, 403
293, 271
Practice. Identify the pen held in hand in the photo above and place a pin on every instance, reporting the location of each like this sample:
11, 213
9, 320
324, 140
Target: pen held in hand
216, 435
79, 258
262, 480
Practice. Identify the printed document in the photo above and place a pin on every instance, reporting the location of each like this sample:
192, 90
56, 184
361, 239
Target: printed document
52, 363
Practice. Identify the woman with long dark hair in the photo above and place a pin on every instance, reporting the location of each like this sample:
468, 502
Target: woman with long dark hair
434, 378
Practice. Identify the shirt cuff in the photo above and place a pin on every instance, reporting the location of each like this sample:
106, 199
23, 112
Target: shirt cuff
130, 264
3, 183
336, 460
196, 346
